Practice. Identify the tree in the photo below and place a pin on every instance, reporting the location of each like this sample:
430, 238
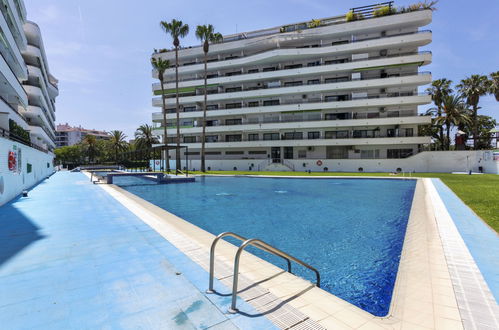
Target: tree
494, 85
472, 88
484, 137
144, 137
176, 29
454, 113
90, 144
118, 143
206, 34
438, 90
161, 66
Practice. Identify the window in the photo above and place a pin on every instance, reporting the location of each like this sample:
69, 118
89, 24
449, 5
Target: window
339, 42
272, 68
293, 83
293, 66
233, 89
271, 136
214, 75
293, 135
398, 153
253, 137
213, 153
302, 153
270, 102
211, 138
234, 152
336, 135
212, 123
409, 132
192, 153
393, 114
337, 61
313, 82
253, 104
331, 98
390, 132
190, 109
189, 139
253, 71
237, 121
212, 107
231, 57
314, 135
233, 138
337, 116
257, 152
363, 133
233, 105
369, 154
316, 63
288, 152
233, 73
336, 79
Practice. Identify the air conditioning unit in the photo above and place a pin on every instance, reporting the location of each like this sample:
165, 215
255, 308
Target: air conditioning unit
310, 148
382, 90
382, 109
304, 96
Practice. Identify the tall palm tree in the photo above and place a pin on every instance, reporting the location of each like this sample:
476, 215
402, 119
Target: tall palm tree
176, 29
472, 88
438, 90
118, 143
90, 142
144, 137
161, 66
206, 34
494, 85
454, 113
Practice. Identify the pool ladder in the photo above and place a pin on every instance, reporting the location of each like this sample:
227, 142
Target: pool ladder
258, 244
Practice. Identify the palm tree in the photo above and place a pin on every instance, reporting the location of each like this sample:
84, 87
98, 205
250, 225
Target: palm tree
439, 89
161, 66
206, 34
494, 85
454, 113
176, 29
472, 88
118, 143
144, 137
90, 141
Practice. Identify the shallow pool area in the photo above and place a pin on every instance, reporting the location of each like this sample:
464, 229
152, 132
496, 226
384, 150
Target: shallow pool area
352, 231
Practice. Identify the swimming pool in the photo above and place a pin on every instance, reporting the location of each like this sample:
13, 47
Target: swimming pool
351, 230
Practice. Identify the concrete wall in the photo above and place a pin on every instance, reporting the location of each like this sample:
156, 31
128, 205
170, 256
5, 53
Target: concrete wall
428, 161
13, 182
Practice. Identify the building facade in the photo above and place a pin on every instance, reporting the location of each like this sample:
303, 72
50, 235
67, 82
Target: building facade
336, 90
27, 97
67, 135
28, 90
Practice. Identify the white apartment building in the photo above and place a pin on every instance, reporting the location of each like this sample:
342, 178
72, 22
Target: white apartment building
27, 96
67, 135
302, 97
28, 90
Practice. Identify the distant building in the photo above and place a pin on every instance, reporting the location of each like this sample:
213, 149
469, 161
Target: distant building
67, 135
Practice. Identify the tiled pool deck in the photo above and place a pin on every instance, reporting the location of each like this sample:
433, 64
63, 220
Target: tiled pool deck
75, 255
72, 257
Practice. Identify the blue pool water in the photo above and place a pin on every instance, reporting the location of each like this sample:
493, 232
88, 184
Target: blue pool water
351, 230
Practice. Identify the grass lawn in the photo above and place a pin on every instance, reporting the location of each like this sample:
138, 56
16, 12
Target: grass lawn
479, 192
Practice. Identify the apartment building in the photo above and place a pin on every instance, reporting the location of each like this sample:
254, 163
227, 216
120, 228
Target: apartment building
66, 135
306, 95
27, 97
28, 90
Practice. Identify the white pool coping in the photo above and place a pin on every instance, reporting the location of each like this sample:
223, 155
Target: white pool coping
423, 296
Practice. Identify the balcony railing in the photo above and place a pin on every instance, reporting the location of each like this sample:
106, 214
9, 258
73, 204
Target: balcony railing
8, 135
276, 30
348, 60
423, 73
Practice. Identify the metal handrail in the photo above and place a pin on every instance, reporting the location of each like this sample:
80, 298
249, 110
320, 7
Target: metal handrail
241, 238
266, 247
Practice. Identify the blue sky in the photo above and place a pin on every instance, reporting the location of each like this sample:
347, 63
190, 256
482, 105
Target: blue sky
100, 50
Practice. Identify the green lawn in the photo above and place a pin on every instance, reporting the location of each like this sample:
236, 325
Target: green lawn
479, 192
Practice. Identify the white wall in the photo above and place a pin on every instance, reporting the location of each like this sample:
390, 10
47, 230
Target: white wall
428, 161
13, 183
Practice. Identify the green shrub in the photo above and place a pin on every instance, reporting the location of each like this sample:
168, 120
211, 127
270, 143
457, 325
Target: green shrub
18, 131
351, 16
383, 11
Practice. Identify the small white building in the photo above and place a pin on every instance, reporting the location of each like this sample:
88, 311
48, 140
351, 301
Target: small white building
66, 135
